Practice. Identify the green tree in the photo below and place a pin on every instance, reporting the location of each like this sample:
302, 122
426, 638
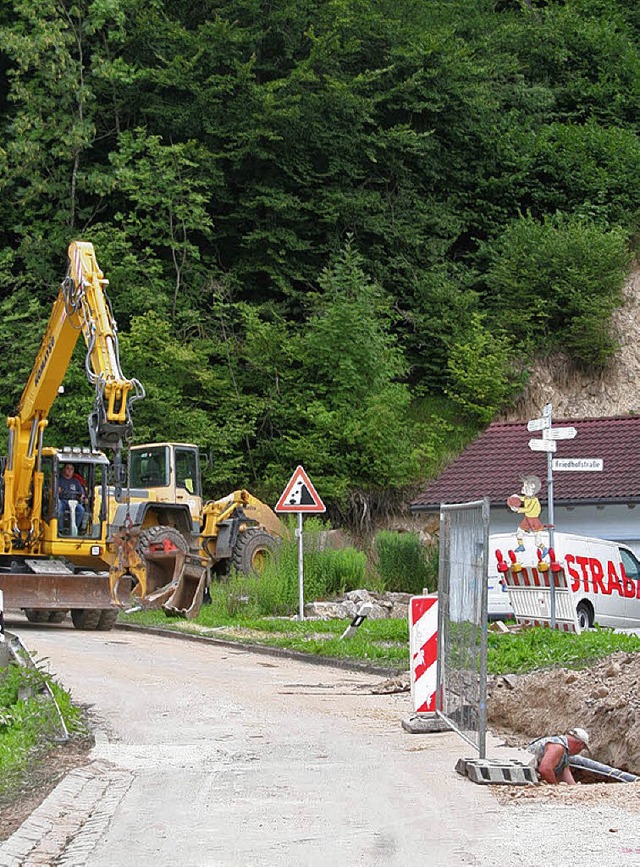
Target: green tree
49, 125
556, 283
485, 371
347, 412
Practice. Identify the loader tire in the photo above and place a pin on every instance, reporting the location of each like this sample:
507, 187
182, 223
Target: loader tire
86, 618
160, 570
37, 615
44, 615
108, 617
253, 549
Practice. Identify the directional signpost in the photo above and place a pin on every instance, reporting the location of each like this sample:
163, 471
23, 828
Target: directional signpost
300, 497
549, 444
579, 465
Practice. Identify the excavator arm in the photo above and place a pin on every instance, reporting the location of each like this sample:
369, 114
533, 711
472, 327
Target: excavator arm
81, 307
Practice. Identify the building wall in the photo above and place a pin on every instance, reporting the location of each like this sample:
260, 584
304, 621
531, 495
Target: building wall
619, 523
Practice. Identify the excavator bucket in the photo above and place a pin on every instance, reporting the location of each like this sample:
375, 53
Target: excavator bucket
188, 593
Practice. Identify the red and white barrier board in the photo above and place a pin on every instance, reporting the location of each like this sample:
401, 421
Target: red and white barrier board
423, 652
530, 595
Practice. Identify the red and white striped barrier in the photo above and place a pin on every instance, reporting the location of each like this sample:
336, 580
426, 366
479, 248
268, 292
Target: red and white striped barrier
530, 593
423, 652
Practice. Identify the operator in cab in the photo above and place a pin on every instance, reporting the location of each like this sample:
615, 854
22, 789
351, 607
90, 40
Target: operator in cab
70, 488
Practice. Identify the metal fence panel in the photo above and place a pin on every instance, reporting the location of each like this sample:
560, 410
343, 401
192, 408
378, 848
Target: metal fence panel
462, 626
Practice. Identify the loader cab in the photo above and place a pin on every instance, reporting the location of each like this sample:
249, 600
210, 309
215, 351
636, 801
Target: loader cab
90, 471
168, 473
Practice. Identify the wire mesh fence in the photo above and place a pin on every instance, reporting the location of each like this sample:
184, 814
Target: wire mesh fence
462, 619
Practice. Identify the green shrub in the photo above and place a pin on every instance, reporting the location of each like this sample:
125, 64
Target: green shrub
483, 375
332, 573
403, 562
274, 592
29, 724
556, 282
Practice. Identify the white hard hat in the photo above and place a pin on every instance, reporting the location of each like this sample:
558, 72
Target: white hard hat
579, 735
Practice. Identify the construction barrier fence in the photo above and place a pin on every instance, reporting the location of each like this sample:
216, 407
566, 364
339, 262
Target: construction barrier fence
462, 619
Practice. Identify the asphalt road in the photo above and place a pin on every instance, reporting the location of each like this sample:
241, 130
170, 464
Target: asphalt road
227, 757
217, 756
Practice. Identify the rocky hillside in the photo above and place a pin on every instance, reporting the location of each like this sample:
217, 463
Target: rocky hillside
574, 394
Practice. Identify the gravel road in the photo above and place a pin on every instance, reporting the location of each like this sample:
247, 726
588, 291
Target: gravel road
216, 756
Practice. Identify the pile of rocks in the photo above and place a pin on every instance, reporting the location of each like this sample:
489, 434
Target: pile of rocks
383, 605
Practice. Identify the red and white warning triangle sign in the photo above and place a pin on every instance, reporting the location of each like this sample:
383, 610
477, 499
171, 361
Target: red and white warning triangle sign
300, 495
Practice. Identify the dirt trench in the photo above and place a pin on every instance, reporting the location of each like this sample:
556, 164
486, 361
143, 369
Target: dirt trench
603, 699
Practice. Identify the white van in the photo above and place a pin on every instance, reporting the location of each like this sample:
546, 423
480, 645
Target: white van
499, 605
602, 577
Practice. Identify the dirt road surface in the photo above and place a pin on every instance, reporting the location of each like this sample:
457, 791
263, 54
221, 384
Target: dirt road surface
216, 756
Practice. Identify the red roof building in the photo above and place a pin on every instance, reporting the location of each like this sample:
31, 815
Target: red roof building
595, 503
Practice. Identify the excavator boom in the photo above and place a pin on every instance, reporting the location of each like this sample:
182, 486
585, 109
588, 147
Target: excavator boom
81, 307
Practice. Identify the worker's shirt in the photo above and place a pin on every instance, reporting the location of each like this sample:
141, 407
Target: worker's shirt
539, 746
70, 489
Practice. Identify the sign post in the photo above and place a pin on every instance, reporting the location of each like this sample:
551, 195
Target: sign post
300, 497
548, 444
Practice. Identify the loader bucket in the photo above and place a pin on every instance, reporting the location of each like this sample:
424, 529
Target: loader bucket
188, 592
164, 566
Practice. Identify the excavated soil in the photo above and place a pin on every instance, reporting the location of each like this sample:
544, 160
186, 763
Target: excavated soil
602, 699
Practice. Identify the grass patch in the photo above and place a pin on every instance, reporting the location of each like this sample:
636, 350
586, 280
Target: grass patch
383, 642
327, 574
531, 649
28, 721
404, 564
386, 642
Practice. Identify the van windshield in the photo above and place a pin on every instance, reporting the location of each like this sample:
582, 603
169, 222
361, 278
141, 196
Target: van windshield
631, 565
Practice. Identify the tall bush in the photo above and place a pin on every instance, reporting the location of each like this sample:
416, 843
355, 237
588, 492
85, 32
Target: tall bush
556, 282
403, 562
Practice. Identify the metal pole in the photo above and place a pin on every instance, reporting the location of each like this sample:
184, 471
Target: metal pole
443, 605
552, 575
300, 568
484, 633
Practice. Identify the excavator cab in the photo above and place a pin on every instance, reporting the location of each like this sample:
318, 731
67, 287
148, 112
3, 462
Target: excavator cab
80, 517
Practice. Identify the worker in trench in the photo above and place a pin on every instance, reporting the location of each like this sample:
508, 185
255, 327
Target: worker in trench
552, 755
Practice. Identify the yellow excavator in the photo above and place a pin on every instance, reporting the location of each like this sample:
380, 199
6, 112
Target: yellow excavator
146, 539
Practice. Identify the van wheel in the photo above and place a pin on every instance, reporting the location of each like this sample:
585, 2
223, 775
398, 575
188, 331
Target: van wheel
36, 615
585, 616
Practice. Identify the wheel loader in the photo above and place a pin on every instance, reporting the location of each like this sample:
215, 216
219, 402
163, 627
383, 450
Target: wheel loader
151, 538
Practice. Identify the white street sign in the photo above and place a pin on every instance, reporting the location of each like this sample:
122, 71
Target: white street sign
542, 445
559, 433
538, 424
546, 410
579, 465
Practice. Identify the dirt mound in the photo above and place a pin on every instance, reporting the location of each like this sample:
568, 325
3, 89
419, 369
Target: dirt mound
602, 699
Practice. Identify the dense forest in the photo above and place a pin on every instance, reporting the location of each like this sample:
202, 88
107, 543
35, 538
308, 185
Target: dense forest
336, 231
